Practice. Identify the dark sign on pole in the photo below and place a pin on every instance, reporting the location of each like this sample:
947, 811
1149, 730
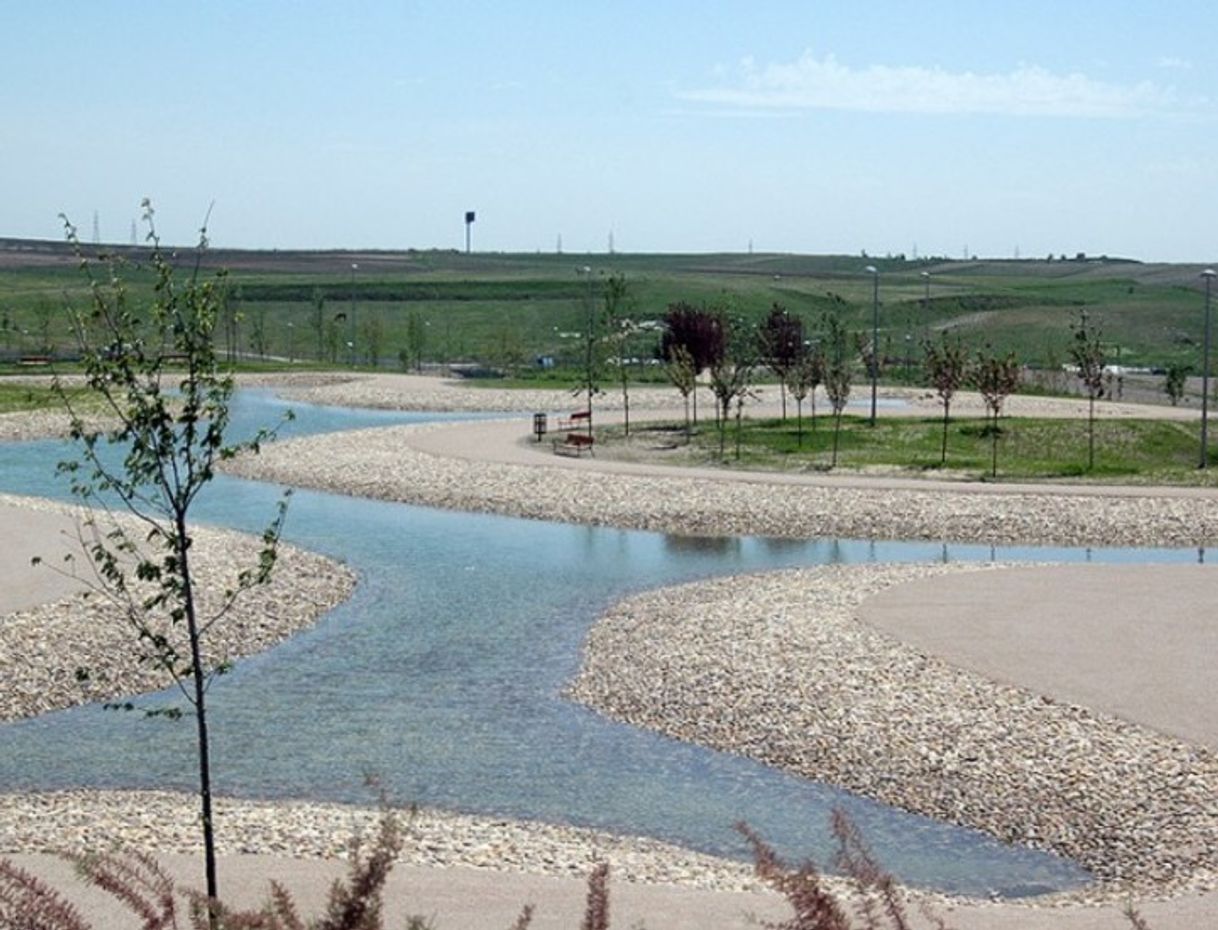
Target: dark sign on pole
469, 216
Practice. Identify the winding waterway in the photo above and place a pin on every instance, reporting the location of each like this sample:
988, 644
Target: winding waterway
442, 675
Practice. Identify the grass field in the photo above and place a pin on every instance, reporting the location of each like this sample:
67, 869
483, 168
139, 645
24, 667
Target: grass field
507, 310
1029, 449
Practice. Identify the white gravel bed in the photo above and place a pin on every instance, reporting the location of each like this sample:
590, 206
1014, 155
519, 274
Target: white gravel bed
380, 463
415, 392
167, 822
41, 648
39, 424
778, 668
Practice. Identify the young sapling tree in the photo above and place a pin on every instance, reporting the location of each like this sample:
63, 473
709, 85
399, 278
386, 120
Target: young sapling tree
619, 327
1174, 381
996, 378
168, 430
837, 375
1087, 353
946, 367
806, 376
781, 344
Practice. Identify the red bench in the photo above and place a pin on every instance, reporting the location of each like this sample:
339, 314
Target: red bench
574, 444
577, 420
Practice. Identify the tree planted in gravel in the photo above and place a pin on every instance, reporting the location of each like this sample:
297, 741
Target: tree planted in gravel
154, 366
837, 374
1087, 353
946, 367
996, 377
781, 344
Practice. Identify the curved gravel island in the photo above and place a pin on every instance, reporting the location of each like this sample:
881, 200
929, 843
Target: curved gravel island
44, 644
779, 667
387, 463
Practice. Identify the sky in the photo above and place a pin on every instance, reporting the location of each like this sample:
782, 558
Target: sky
930, 128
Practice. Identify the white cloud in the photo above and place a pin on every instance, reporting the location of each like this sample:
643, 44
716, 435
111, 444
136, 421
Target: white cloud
1171, 63
825, 83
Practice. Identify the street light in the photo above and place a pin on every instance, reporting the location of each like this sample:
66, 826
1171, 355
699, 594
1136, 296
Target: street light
875, 333
590, 339
351, 322
1208, 274
926, 281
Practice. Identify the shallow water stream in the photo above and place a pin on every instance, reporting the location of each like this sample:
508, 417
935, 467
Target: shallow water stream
442, 675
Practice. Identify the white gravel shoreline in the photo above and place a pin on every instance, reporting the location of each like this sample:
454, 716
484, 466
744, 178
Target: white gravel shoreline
387, 467
778, 668
42, 647
1177, 825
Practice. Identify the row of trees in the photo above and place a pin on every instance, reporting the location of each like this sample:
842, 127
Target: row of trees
730, 352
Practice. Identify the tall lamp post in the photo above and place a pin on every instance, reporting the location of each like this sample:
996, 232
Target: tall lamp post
351, 323
875, 333
590, 343
926, 281
1208, 274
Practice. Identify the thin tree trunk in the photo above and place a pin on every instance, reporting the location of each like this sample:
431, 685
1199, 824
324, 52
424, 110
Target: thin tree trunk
626, 407
994, 447
799, 420
200, 689
943, 455
837, 428
782, 388
1091, 432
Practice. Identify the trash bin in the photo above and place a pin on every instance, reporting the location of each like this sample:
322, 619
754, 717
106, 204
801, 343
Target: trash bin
539, 425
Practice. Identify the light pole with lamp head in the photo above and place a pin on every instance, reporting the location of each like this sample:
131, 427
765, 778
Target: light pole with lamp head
875, 333
351, 322
590, 343
1208, 274
926, 281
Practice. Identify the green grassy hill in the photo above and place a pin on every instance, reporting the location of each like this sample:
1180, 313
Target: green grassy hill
510, 308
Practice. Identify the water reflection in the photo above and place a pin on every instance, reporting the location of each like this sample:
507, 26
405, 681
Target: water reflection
444, 674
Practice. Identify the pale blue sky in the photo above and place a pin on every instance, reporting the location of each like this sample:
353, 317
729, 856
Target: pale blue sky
679, 126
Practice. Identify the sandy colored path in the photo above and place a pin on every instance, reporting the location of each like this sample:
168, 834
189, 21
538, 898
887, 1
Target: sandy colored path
1109, 657
25, 533
1137, 641
473, 899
